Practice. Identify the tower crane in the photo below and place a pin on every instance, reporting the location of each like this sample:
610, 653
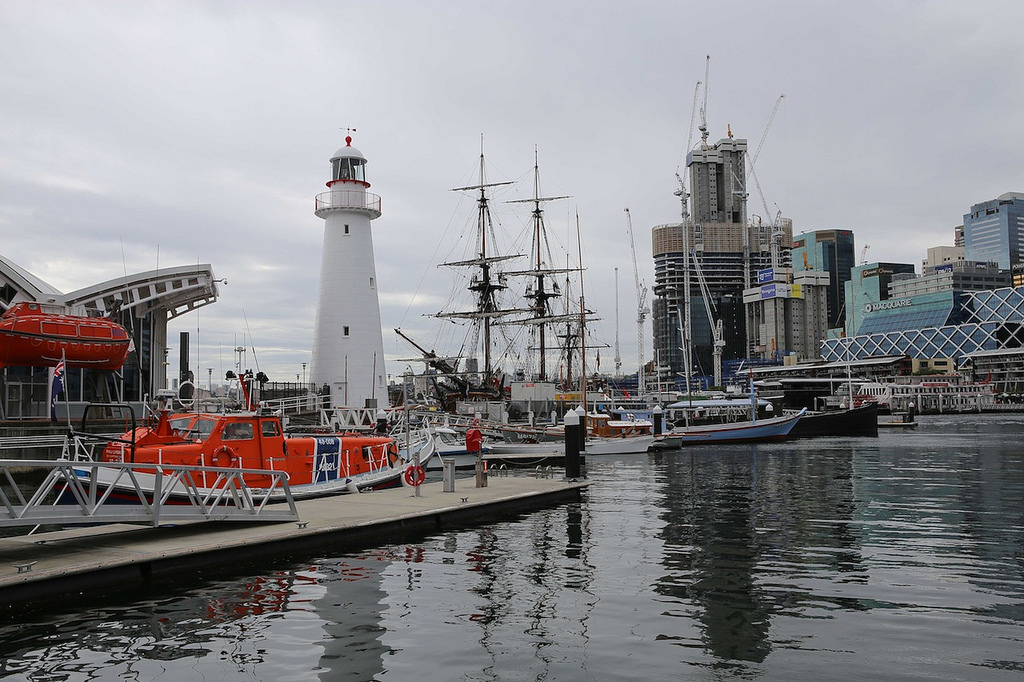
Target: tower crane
774, 224
641, 311
718, 343
684, 196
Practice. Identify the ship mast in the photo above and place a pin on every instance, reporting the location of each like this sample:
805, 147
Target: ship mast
487, 282
539, 292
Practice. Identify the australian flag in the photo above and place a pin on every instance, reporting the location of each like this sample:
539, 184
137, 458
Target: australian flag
58, 388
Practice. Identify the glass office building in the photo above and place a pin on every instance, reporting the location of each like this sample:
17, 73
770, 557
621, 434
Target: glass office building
994, 231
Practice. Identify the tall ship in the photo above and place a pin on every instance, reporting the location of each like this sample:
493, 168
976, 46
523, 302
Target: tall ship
522, 323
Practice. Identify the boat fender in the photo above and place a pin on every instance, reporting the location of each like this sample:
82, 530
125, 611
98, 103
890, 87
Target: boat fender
414, 475
223, 456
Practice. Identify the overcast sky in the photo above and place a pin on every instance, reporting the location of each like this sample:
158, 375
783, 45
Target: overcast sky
138, 135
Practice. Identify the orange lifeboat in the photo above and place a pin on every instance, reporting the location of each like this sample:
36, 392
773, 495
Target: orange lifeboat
33, 337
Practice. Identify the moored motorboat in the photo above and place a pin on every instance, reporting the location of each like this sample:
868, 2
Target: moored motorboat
431, 445
774, 428
316, 465
618, 434
33, 335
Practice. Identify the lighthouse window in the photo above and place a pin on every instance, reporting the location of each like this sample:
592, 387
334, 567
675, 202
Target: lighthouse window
348, 169
344, 331
371, 282
346, 229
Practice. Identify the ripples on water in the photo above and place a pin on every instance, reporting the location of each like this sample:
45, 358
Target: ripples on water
897, 557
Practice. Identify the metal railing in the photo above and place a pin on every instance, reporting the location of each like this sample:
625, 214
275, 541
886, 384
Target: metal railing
86, 492
349, 199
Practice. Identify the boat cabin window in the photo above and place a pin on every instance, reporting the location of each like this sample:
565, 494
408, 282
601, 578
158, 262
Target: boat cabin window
237, 431
269, 429
348, 169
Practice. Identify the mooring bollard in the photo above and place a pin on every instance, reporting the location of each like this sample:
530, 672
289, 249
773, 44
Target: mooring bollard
572, 445
448, 475
481, 472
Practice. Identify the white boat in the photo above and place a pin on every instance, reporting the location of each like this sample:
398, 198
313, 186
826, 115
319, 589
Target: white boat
433, 444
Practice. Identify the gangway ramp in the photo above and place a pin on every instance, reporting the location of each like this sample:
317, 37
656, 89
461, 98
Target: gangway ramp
106, 492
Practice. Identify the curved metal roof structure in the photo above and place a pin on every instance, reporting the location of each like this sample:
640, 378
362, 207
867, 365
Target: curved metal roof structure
173, 291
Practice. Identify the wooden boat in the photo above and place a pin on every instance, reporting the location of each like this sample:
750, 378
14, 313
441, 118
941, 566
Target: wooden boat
774, 428
858, 421
316, 465
33, 335
617, 434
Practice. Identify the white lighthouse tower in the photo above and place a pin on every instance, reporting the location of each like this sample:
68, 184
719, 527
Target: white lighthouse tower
348, 349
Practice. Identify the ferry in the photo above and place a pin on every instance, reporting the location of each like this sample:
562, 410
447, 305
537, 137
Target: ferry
928, 394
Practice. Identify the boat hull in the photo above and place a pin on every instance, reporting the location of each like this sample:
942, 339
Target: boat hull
859, 421
31, 338
776, 428
618, 446
146, 483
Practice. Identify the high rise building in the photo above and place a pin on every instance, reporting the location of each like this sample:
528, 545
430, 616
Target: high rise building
994, 231
726, 251
787, 313
830, 251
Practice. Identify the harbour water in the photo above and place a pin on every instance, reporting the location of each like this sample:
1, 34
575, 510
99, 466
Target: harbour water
899, 557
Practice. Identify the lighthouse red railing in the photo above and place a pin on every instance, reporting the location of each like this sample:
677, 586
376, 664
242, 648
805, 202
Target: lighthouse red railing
348, 199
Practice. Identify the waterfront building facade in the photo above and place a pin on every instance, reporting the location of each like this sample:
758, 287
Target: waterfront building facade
942, 324
869, 285
994, 231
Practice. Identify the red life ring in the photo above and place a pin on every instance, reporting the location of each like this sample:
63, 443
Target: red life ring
414, 475
223, 456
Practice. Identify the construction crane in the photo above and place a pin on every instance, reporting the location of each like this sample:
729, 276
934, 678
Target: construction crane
717, 340
764, 133
864, 254
684, 196
774, 226
641, 311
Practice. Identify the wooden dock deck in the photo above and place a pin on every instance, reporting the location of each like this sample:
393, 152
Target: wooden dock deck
44, 565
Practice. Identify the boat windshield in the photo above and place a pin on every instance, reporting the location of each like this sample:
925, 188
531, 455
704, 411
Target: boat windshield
193, 426
448, 437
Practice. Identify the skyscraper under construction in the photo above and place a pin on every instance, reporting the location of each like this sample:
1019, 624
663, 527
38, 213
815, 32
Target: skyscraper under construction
726, 251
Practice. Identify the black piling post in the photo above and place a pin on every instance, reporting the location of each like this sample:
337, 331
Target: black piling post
657, 413
572, 445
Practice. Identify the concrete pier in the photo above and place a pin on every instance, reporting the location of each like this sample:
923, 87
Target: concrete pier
44, 565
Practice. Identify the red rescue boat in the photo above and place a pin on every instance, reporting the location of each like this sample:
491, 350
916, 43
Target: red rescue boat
31, 336
255, 444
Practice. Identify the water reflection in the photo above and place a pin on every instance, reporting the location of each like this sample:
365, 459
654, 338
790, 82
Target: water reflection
226, 629
737, 520
897, 557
